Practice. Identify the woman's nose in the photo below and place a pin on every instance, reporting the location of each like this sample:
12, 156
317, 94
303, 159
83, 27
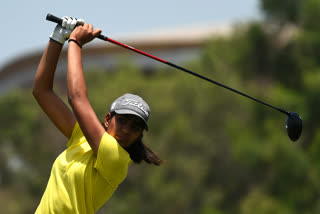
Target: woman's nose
125, 128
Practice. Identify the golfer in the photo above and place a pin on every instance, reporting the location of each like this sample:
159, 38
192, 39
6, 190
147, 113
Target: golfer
87, 173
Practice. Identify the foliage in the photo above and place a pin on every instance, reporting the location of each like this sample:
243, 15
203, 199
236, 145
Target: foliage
282, 11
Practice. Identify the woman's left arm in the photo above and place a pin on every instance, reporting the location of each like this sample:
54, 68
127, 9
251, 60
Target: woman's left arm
77, 89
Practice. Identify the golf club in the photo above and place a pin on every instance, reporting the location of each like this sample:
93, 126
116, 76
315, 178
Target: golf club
293, 122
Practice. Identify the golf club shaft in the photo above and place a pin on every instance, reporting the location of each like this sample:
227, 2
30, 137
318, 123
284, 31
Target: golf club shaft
58, 20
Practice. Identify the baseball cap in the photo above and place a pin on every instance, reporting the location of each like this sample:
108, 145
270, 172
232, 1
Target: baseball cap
132, 104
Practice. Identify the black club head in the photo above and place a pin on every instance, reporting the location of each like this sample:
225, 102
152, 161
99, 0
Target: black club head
294, 126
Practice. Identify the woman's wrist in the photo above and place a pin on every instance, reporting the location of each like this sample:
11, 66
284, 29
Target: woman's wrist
75, 41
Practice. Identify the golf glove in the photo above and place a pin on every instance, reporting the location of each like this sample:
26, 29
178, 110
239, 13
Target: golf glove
62, 32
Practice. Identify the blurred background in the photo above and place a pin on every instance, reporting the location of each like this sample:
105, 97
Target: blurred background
224, 154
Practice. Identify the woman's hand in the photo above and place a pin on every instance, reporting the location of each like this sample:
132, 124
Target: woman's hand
62, 32
84, 34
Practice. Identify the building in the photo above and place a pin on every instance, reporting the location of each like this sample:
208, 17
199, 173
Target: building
175, 46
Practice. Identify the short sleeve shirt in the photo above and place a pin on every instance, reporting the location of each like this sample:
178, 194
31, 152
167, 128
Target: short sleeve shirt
79, 181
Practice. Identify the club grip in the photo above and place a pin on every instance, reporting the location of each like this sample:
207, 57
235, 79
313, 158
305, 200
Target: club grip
53, 18
58, 20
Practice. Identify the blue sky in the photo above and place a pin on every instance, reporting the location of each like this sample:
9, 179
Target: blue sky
24, 28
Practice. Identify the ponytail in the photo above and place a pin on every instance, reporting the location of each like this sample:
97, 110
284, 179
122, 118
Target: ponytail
139, 152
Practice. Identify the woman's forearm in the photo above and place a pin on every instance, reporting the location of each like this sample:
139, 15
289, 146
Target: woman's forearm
45, 74
75, 78
77, 90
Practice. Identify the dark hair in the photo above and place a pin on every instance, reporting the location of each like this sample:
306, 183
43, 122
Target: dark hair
138, 151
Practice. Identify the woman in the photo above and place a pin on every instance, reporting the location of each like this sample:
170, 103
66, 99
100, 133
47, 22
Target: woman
97, 157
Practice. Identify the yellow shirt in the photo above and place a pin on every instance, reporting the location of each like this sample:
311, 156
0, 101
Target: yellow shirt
79, 181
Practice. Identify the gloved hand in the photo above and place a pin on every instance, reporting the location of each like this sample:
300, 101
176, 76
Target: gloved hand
62, 32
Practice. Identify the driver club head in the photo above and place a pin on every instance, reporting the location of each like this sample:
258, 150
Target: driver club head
294, 126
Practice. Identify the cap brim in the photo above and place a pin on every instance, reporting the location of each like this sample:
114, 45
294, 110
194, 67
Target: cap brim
127, 111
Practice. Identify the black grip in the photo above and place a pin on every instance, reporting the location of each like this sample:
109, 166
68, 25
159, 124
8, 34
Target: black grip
53, 18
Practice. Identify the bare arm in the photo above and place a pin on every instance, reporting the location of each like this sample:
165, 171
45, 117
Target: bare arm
43, 92
77, 90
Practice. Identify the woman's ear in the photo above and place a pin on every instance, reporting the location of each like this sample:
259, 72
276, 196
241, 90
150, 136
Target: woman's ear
107, 120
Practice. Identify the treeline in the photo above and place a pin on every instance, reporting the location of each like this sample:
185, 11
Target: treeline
224, 154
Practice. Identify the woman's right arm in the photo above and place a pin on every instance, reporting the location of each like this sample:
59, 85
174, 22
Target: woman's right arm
57, 111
